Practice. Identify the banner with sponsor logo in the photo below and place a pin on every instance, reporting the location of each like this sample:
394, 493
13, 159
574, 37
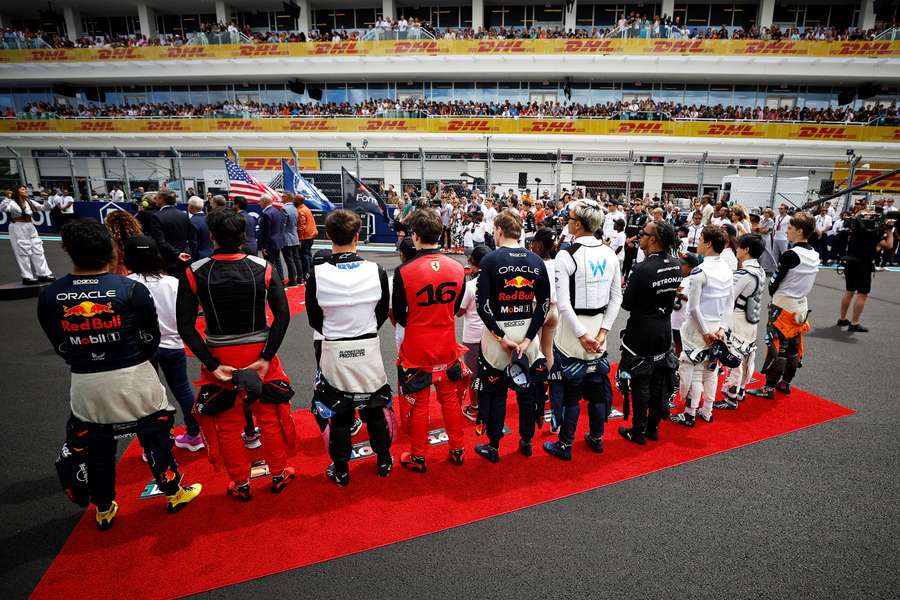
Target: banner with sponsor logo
868, 171
871, 49
271, 159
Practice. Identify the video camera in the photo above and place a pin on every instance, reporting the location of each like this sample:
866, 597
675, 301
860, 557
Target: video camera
874, 221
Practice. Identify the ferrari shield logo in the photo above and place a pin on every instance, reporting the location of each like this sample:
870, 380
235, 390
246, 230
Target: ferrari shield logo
436, 265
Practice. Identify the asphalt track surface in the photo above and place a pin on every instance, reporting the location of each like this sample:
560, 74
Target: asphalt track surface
812, 514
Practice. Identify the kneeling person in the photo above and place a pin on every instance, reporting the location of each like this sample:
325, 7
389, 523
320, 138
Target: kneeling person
347, 302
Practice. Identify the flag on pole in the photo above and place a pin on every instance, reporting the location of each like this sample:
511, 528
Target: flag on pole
295, 183
360, 197
242, 184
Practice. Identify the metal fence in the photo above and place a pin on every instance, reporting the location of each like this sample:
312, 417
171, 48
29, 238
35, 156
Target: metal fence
680, 177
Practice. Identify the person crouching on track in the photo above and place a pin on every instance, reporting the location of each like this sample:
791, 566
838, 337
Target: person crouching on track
513, 299
749, 281
647, 338
427, 294
347, 302
709, 304
789, 310
105, 327
233, 290
588, 295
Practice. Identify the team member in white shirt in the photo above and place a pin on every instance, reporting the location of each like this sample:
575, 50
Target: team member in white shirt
472, 330
147, 266
824, 222
613, 216
710, 301
694, 231
779, 233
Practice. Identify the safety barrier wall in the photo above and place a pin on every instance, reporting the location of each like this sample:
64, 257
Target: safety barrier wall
745, 48
530, 126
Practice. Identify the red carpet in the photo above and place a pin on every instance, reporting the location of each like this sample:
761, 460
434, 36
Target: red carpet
216, 541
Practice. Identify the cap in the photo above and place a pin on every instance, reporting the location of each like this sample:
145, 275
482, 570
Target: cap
247, 381
545, 235
691, 260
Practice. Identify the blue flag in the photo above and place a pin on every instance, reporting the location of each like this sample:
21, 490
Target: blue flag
295, 183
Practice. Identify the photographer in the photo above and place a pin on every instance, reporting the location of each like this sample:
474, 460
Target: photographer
869, 234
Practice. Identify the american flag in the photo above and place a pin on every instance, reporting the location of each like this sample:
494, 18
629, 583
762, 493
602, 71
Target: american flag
242, 184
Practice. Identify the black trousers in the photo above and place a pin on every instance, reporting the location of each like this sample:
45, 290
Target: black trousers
648, 396
630, 254
339, 439
292, 259
154, 432
492, 410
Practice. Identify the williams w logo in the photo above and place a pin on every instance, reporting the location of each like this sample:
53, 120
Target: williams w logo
598, 268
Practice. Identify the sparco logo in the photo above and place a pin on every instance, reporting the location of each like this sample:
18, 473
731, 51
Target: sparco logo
676, 47
501, 46
639, 128
771, 48
166, 126
423, 47
311, 125
573, 46
553, 127
339, 48
387, 125
729, 130
865, 49
359, 353
234, 125
469, 125
823, 133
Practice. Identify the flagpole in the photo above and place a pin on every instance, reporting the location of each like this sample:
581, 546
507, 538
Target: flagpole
296, 159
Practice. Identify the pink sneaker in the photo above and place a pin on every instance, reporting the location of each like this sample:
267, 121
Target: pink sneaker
190, 442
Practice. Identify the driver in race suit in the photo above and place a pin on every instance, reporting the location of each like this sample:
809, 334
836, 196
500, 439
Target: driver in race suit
234, 289
426, 296
347, 302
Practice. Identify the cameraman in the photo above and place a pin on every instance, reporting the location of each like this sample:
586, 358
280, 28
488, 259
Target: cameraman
869, 234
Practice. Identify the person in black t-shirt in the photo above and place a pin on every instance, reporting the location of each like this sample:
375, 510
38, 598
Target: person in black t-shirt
866, 240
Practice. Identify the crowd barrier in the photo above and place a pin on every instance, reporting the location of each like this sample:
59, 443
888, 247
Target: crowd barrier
43, 221
748, 48
707, 129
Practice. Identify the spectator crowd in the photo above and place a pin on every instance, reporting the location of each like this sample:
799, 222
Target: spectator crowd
645, 109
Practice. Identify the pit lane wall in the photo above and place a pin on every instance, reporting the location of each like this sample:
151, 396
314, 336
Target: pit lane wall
484, 126
750, 48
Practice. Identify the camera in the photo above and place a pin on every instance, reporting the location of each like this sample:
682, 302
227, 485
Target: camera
874, 221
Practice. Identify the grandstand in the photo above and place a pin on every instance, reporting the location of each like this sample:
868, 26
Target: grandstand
652, 98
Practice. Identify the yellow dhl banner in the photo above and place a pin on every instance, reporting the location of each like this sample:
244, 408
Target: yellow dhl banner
891, 184
734, 130
270, 160
886, 49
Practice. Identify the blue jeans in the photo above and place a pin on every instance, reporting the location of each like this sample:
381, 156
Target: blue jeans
173, 362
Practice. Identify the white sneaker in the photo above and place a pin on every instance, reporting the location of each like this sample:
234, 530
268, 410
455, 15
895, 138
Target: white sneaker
616, 414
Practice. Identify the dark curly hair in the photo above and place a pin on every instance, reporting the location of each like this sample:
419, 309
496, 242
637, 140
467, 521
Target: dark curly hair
665, 235
227, 228
87, 243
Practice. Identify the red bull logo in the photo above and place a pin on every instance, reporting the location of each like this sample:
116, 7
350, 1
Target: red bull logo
519, 282
87, 309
